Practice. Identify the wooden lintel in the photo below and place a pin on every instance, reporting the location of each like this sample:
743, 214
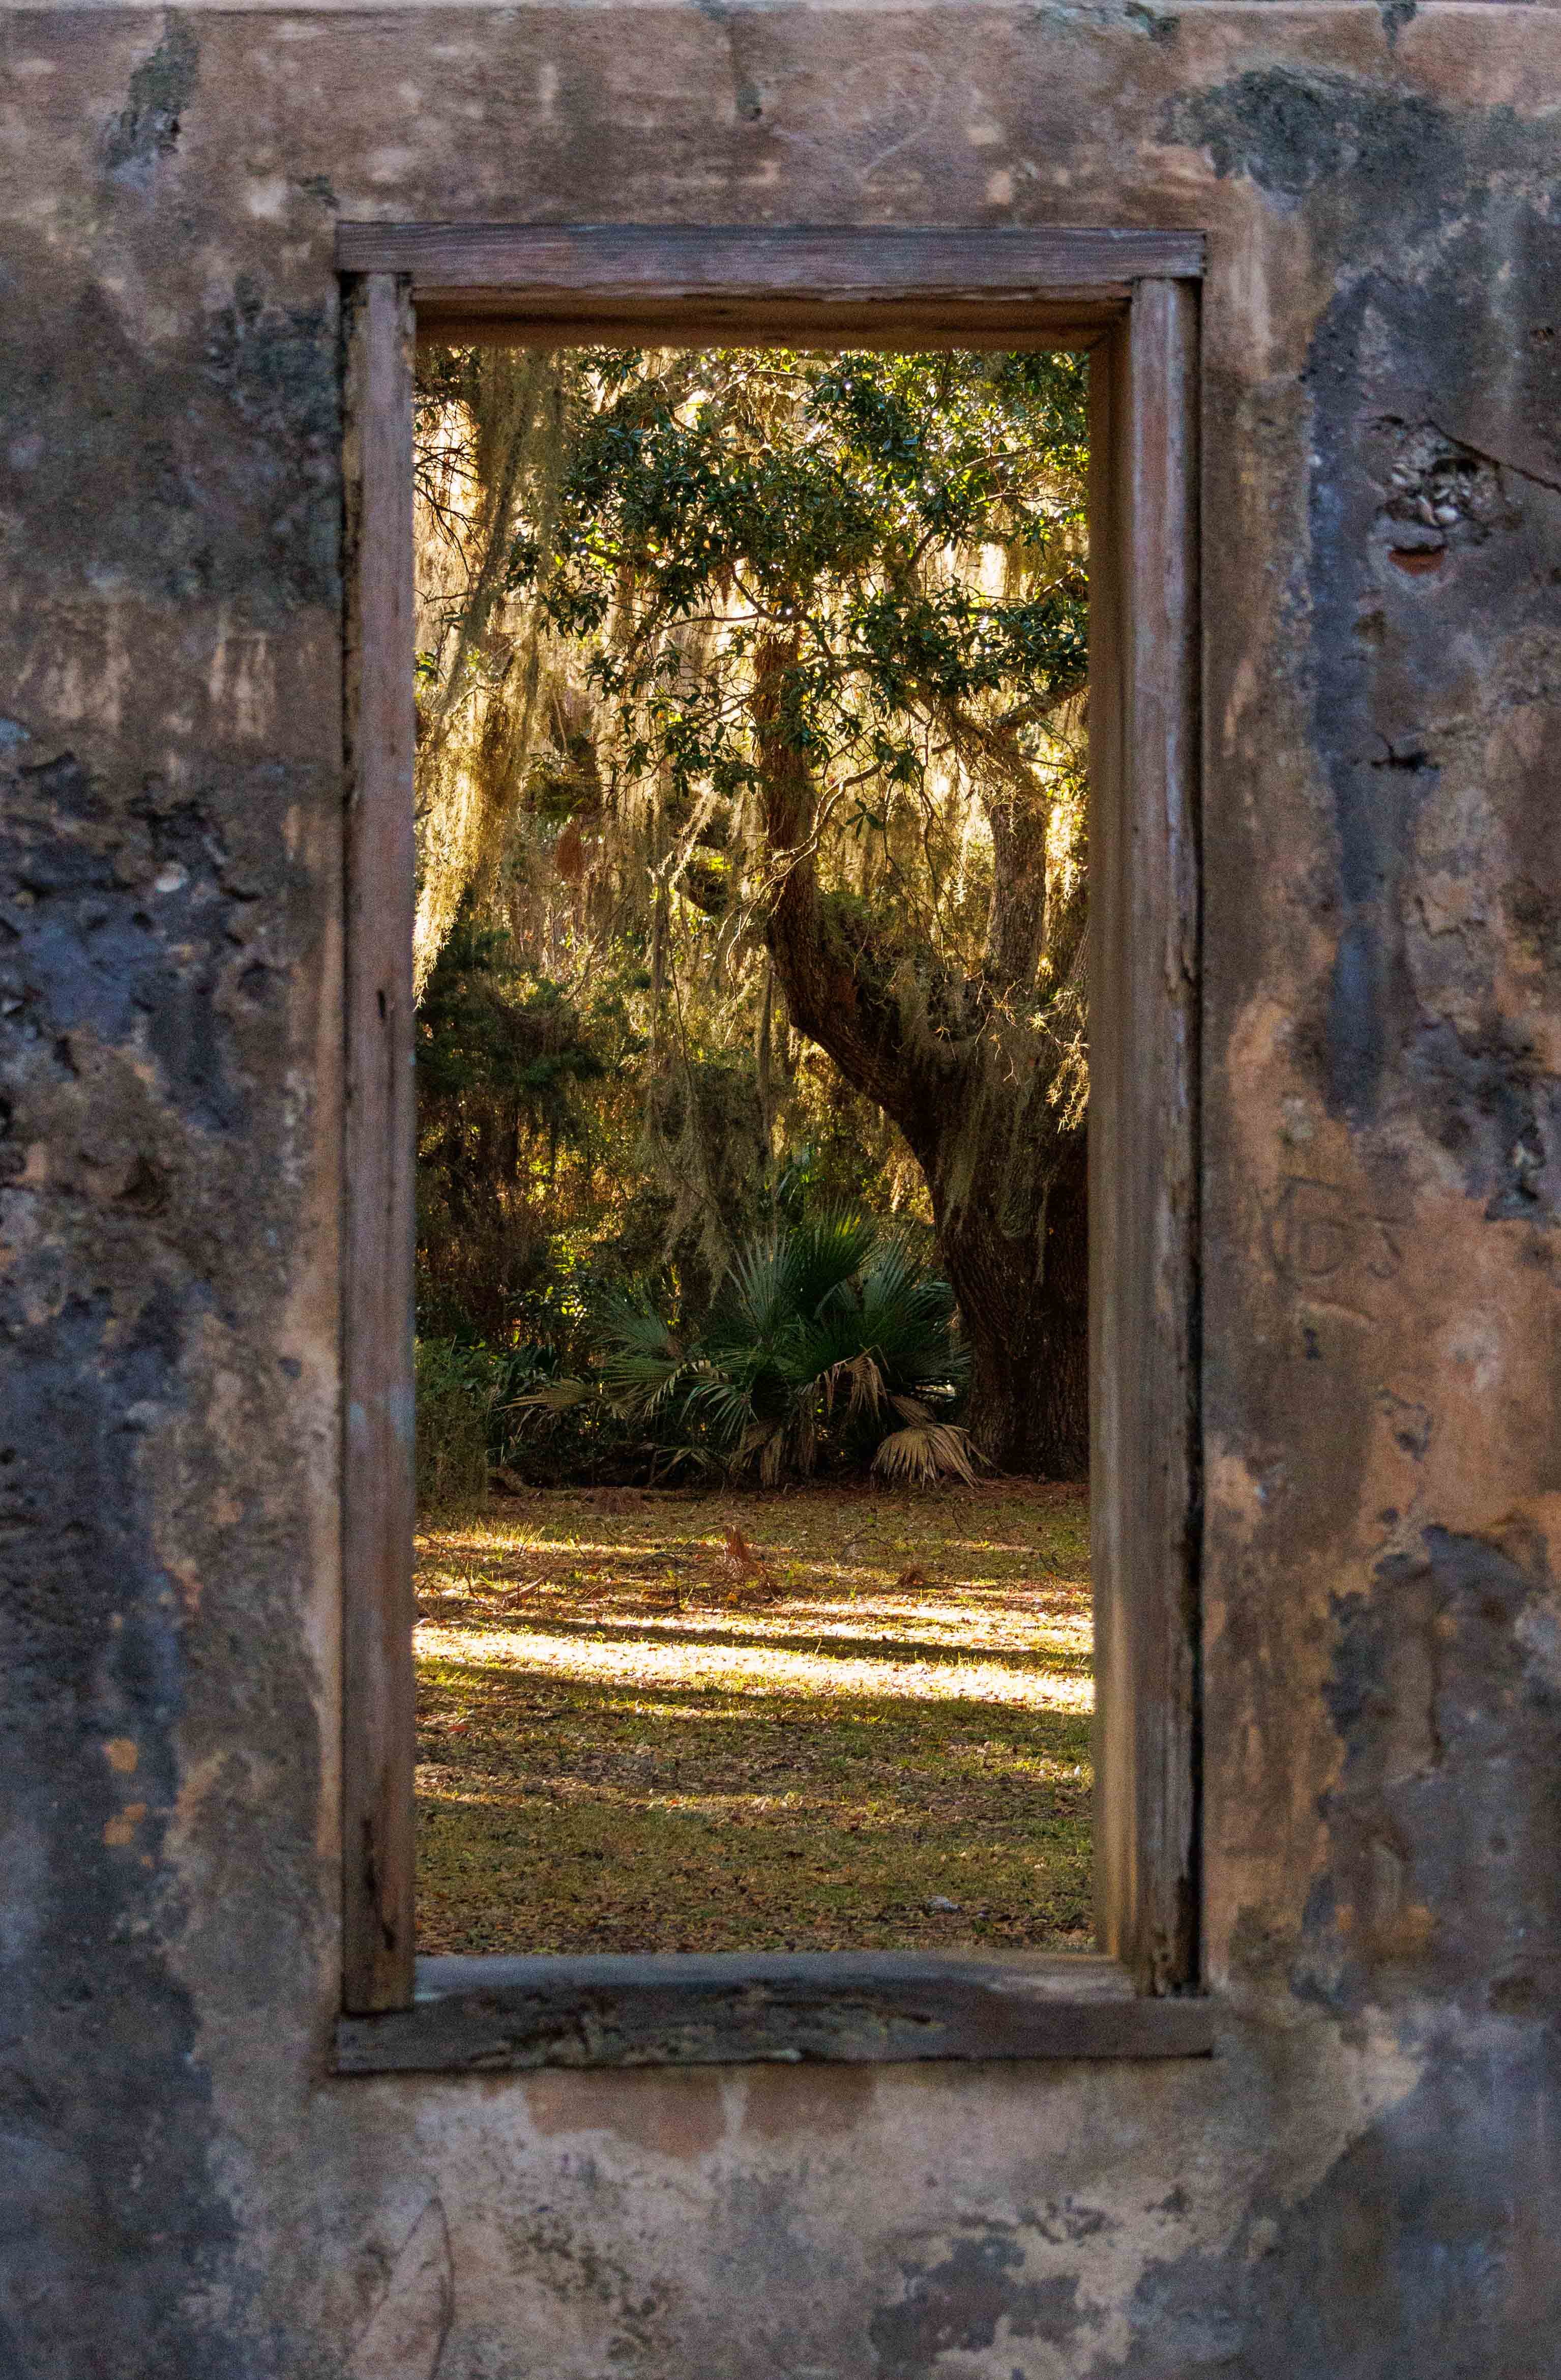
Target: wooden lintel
581, 272
480, 318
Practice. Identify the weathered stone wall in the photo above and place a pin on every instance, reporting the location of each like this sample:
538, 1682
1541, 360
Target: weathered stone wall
1366, 2181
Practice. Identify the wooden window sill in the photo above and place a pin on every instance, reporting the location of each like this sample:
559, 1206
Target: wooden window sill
496, 2015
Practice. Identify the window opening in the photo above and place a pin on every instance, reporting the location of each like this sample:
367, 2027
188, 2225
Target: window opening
683, 773
750, 954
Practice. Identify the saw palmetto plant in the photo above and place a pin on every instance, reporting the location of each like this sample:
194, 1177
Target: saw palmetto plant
828, 1338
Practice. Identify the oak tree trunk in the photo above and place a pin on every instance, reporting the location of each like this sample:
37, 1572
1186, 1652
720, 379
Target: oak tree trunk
968, 1088
1024, 1301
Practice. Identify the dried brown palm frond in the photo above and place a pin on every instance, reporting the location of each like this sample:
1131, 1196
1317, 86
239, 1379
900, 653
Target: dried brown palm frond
865, 1380
926, 1451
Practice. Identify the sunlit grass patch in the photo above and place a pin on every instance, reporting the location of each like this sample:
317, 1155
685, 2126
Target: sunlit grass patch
628, 1741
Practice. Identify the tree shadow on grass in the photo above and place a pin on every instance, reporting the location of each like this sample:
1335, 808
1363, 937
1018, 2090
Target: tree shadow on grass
573, 1815
627, 1747
1051, 1733
917, 1649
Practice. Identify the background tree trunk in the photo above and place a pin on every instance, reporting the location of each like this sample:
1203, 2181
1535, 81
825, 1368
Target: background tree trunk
968, 1091
1024, 1304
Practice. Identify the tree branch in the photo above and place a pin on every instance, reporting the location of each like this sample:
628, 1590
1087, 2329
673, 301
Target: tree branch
840, 994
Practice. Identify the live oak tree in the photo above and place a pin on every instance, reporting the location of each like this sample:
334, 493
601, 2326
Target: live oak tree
810, 634
837, 600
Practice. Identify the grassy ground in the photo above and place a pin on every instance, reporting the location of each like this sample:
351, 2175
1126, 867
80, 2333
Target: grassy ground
630, 1740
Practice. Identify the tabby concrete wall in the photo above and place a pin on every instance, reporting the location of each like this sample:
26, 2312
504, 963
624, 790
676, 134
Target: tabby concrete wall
1364, 2183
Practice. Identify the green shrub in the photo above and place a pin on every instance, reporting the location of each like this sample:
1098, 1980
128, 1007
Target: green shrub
483, 1409
455, 1398
828, 1339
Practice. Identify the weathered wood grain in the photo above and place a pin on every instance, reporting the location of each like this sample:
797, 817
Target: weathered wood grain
495, 318
526, 267
1144, 1135
378, 1479
488, 2015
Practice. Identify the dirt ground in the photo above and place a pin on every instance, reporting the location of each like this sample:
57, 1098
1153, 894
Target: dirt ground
862, 1722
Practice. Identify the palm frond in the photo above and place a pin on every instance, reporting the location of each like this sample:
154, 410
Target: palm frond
824, 1253
553, 1396
725, 1409
861, 1375
754, 1301
643, 1363
926, 1451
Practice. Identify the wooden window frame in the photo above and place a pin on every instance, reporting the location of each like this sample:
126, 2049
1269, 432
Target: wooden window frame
1130, 298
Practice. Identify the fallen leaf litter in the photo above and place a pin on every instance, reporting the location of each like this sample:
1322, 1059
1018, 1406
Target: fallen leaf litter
711, 1721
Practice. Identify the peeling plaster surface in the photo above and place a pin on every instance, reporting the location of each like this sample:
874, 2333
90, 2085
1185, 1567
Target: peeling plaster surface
1364, 2183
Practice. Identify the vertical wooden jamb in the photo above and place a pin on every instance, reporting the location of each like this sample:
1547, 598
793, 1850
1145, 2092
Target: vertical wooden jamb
378, 1484
1143, 1136
1115, 1842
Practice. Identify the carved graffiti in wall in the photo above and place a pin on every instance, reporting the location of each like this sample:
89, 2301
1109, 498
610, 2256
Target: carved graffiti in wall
1329, 1249
405, 2335
877, 116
